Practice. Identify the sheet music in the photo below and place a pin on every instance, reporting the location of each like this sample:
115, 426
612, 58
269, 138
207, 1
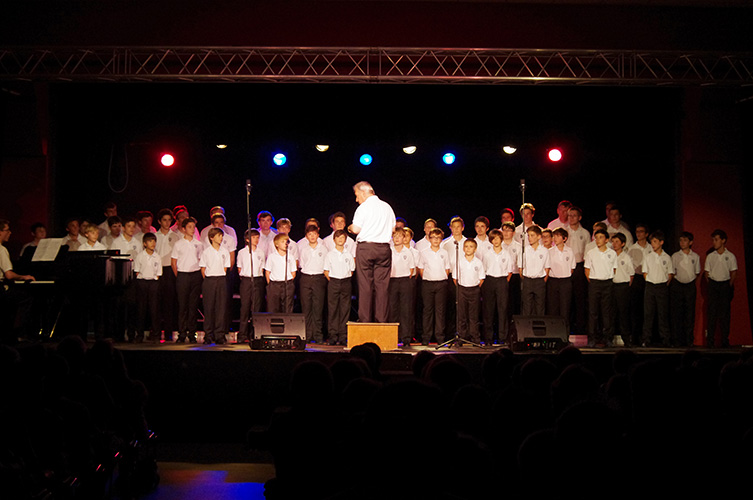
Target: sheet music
47, 250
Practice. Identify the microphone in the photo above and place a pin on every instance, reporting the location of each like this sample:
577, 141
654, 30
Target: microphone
248, 186
522, 184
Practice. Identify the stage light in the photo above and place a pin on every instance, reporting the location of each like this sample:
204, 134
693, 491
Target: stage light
509, 149
448, 158
555, 154
409, 150
221, 146
322, 147
366, 159
167, 160
279, 159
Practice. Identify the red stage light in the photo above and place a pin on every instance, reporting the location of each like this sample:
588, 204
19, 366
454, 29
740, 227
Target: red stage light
555, 154
167, 160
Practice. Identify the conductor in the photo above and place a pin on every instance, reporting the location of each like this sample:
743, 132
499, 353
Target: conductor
373, 223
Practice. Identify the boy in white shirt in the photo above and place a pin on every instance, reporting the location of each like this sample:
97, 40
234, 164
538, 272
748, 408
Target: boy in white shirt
527, 211
621, 283
559, 286
682, 291
434, 268
481, 225
599, 266
266, 232
562, 219
312, 282
185, 266
513, 248
468, 276
251, 261
283, 227
214, 262
148, 268
424, 243
91, 233
720, 270
280, 271
494, 291
73, 238
658, 273
338, 269
638, 252
166, 240
534, 269
128, 242
401, 289
577, 239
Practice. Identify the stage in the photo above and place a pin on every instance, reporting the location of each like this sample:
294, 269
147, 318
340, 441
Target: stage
216, 393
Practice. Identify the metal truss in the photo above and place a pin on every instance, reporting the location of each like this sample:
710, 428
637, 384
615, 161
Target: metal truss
376, 65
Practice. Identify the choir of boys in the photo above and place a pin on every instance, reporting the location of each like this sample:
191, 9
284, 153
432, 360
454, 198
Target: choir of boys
627, 288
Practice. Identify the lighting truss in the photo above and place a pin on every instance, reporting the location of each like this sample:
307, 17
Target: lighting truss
376, 65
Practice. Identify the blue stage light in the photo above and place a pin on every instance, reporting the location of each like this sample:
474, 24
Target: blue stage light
279, 159
366, 159
448, 158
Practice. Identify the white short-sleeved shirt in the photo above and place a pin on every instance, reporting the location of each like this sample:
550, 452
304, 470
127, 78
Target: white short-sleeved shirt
520, 234
448, 246
482, 246
719, 266
497, 265
339, 265
557, 223
229, 231
577, 239
657, 267
687, 266
132, 248
402, 263
5, 262
187, 254
600, 264
97, 246
622, 229
165, 244
350, 244
74, 243
422, 244
311, 259
376, 220
244, 262
562, 262
536, 261
275, 264
471, 272
434, 264
623, 268
147, 267
638, 255
514, 250
266, 241
215, 262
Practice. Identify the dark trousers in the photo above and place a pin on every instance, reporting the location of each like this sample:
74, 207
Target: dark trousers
401, 307
600, 307
313, 293
188, 288
434, 297
533, 297
718, 313
252, 300
338, 305
656, 305
373, 264
621, 311
682, 310
148, 300
494, 293
579, 309
280, 295
469, 298
168, 305
214, 290
559, 295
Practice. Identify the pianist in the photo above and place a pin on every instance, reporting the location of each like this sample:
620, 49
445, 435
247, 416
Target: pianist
6, 266
14, 304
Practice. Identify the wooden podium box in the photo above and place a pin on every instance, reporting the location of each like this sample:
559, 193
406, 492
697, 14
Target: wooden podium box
382, 334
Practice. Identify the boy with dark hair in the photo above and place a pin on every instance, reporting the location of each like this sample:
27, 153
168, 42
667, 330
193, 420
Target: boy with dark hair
251, 270
214, 262
148, 268
401, 289
658, 273
338, 269
720, 270
313, 283
166, 240
280, 271
682, 291
434, 268
599, 266
483, 245
185, 266
266, 232
621, 283
527, 211
73, 238
559, 286
534, 271
468, 276
577, 239
38, 233
494, 291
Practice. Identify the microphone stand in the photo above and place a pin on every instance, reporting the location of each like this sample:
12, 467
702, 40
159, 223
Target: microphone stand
251, 258
457, 340
522, 249
285, 282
